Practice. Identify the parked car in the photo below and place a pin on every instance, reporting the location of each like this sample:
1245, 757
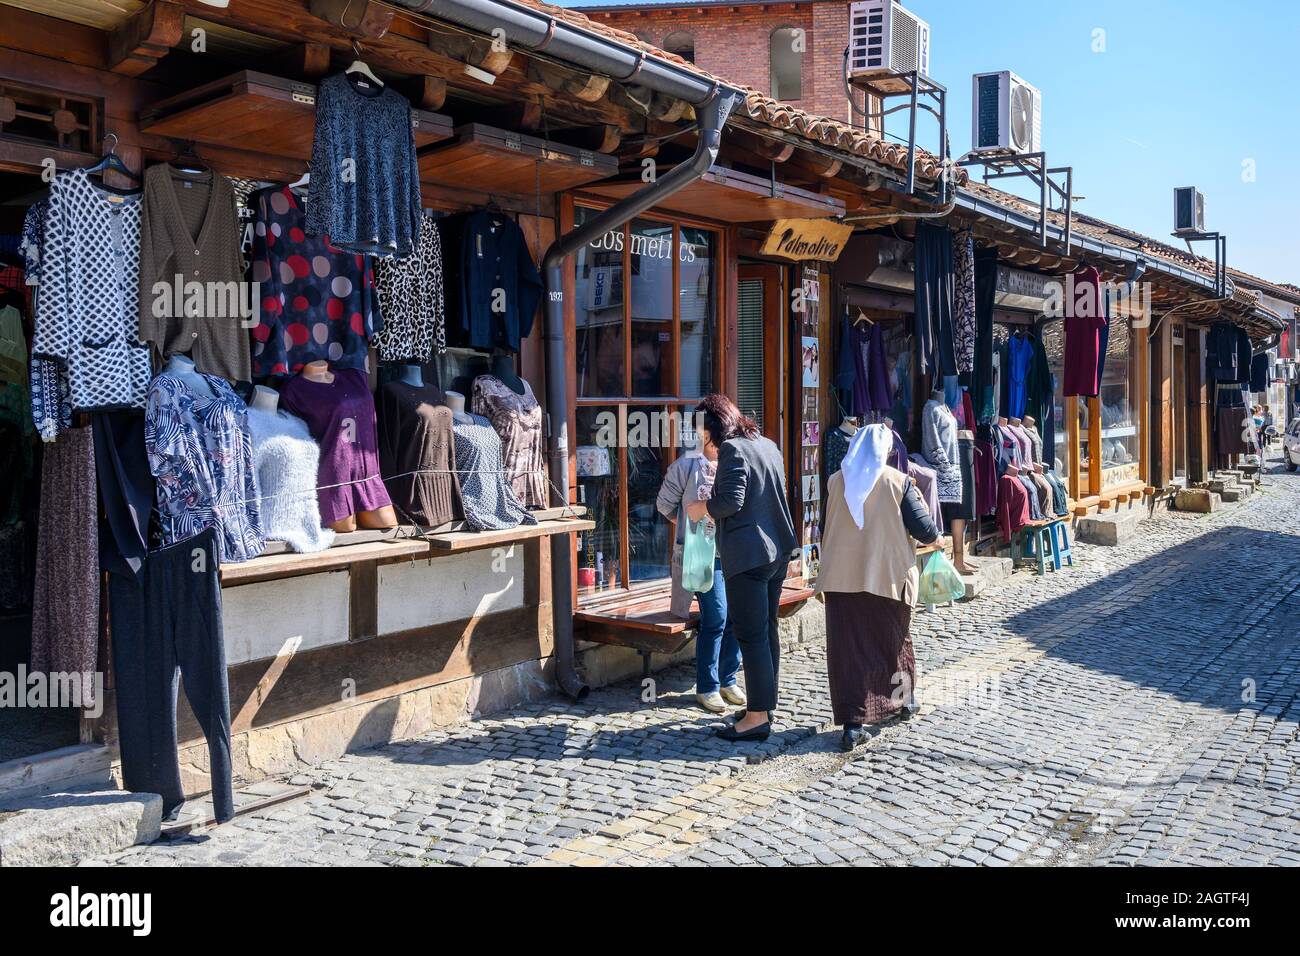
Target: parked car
1291, 446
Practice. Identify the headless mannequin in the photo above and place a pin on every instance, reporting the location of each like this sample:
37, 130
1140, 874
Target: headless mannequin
411, 375
957, 527
182, 367
456, 402
503, 367
1030, 424
265, 399
380, 518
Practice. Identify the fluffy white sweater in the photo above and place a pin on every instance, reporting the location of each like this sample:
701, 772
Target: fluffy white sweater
285, 461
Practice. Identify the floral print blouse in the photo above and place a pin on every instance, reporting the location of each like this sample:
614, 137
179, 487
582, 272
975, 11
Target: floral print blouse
201, 454
318, 302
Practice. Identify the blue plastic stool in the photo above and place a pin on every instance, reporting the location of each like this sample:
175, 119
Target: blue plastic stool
1061, 544
1037, 544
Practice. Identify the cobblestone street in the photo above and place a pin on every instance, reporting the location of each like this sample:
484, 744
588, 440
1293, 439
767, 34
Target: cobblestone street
1139, 708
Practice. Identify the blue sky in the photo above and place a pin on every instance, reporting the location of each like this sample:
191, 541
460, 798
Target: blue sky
1185, 92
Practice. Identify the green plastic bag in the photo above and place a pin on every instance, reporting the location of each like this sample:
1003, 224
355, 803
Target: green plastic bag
698, 553
940, 582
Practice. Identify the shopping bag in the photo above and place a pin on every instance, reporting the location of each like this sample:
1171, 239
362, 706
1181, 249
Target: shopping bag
698, 552
940, 582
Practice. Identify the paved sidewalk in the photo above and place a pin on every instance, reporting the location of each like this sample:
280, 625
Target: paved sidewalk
1138, 708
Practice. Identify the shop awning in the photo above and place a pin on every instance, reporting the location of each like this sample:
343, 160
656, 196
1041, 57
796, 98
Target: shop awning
496, 161
728, 195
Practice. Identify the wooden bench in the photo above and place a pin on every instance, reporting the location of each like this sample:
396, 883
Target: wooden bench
645, 623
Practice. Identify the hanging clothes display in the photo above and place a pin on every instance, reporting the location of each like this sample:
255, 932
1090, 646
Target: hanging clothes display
65, 605
836, 446
1018, 355
87, 312
286, 462
1040, 394
1084, 318
1221, 353
983, 384
417, 453
411, 301
170, 623
986, 476
964, 331
933, 295
189, 234
489, 501
318, 302
340, 414
518, 420
126, 491
201, 455
1260, 372
365, 178
499, 286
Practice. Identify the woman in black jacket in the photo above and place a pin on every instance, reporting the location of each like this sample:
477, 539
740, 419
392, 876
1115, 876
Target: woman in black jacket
755, 539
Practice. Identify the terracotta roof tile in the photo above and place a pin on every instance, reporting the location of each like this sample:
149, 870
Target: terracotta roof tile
763, 109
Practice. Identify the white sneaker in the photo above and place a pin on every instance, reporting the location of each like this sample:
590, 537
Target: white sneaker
732, 695
712, 702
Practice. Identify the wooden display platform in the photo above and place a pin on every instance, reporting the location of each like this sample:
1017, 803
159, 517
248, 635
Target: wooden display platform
256, 111
729, 195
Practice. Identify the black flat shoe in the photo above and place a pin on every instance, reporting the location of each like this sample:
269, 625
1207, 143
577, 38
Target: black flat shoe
853, 737
759, 733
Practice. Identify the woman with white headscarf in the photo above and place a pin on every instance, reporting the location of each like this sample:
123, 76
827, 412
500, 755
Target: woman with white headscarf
868, 579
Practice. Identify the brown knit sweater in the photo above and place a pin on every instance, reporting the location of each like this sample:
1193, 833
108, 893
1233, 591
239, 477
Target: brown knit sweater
189, 227
415, 434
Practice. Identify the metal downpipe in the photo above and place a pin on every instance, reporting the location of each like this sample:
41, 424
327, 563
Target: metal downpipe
712, 115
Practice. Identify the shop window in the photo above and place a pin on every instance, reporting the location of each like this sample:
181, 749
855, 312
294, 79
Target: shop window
696, 305
645, 311
681, 43
786, 47
1118, 407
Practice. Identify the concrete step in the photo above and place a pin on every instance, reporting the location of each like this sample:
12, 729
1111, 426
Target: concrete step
988, 572
1200, 500
61, 829
1109, 528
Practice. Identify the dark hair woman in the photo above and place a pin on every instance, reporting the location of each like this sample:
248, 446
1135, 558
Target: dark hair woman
755, 539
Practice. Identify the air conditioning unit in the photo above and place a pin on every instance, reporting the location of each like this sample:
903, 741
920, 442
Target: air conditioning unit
1189, 211
1006, 115
884, 39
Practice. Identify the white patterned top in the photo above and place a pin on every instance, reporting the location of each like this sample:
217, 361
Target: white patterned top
87, 315
410, 300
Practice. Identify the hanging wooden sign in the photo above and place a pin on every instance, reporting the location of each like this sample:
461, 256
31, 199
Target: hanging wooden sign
801, 240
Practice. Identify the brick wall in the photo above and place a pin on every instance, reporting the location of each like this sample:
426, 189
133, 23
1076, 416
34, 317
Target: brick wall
734, 44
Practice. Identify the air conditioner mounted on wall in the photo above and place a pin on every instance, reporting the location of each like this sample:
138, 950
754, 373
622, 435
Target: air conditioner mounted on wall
885, 38
1189, 211
1006, 114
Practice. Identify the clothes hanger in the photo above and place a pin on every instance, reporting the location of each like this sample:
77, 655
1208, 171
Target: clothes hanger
359, 66
194, 166
112, 162
302, 180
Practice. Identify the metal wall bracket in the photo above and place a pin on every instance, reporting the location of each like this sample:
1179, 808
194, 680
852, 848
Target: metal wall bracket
1220, 257
1033, 166
921, 93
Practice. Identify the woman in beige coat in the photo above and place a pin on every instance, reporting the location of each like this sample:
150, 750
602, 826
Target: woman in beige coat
868, 579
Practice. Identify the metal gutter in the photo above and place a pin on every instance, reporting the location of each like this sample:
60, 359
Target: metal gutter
538, 32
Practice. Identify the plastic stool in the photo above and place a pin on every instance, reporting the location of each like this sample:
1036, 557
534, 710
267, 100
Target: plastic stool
1037, 544
1061, 545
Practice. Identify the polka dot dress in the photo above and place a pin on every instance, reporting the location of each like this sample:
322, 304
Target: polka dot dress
318, 302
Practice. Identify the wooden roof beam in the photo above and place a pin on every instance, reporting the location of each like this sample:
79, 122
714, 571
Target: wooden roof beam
144, 39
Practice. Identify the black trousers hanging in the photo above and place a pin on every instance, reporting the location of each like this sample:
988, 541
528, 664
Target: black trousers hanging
167, 628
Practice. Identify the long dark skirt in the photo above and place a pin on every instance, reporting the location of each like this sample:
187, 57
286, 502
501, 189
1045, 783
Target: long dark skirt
868, 656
